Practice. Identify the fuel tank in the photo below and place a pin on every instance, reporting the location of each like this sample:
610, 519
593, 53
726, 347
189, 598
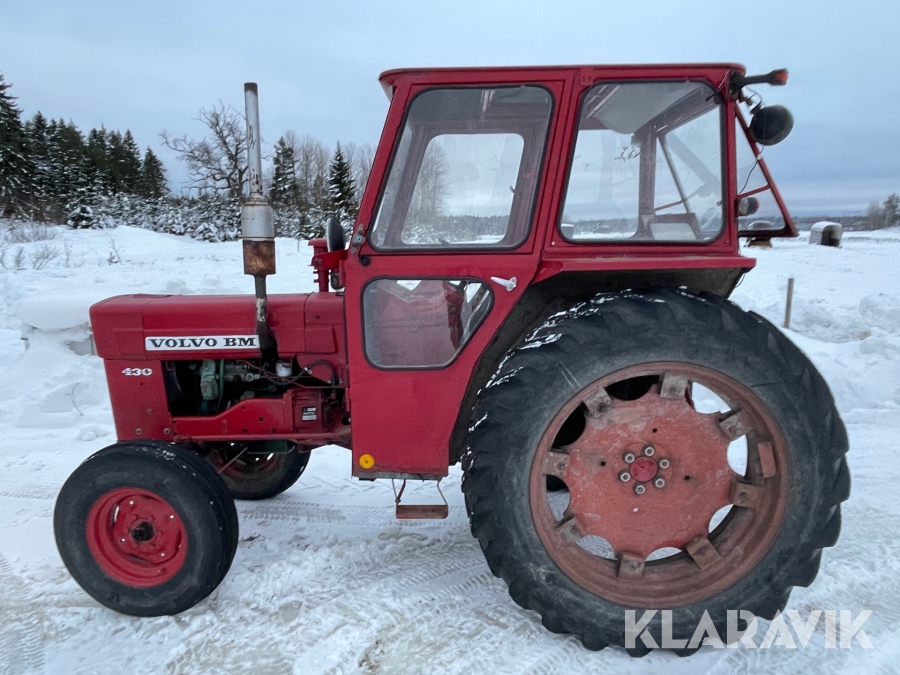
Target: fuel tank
171, 327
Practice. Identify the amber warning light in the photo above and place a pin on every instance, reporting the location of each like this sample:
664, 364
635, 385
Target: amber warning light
779, 77
776, 78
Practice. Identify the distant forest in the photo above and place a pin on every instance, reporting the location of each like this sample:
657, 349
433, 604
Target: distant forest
876, 217
51, 172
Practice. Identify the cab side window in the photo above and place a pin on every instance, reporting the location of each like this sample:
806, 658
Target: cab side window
421, 323
465, 170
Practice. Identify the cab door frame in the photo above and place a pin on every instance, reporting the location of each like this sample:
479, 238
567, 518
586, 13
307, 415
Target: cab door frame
403, 419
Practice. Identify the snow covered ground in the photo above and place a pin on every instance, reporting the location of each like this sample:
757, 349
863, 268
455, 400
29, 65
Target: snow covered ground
325, 580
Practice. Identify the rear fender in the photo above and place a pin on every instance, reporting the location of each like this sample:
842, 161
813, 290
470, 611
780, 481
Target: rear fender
559, 293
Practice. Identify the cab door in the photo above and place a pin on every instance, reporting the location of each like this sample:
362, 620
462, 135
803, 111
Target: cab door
449, 250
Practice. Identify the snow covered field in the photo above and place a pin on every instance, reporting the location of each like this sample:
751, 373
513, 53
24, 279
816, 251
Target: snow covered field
325, 580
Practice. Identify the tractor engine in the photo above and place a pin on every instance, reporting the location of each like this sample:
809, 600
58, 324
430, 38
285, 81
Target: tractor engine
195, 364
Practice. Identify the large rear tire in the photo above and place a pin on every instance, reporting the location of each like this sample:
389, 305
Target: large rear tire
595, 485
146, 529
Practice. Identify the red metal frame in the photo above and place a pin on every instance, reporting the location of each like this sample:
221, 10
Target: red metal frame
789, 229
403, 419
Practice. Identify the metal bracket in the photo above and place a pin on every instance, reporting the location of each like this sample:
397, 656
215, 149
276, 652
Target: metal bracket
358, 238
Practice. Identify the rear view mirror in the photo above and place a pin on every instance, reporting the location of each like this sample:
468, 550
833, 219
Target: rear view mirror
747, 206
771, 124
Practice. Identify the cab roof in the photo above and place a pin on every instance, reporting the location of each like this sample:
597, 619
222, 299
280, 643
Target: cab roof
390, 78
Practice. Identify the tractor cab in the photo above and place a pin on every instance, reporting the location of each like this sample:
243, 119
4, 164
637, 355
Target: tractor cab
499, 194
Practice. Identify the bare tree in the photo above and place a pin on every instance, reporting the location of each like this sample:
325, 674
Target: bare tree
874, 216
428, 200
218, 161
311, 162
360, 158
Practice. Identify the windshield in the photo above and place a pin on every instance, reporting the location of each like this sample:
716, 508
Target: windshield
647, 165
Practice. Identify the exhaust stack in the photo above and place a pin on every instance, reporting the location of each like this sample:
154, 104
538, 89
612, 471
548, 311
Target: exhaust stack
258, 227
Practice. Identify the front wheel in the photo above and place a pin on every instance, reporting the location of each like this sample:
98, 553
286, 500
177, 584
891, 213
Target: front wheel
655, 451
147, 529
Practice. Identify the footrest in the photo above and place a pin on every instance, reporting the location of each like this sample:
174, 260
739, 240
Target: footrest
422, 511
419, 511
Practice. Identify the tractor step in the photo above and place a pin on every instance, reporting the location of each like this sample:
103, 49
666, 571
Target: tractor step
420, 511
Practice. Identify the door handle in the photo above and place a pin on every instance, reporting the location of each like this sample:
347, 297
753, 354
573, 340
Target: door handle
508, 284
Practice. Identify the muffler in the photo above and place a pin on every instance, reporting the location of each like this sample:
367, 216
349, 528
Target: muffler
258, 227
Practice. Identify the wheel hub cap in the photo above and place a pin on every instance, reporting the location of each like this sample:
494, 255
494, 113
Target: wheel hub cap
643, 469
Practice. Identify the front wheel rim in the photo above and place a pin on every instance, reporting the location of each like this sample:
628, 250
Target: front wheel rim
648, 474
136, 537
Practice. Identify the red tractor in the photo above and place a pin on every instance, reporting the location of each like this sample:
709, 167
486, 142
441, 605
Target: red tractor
535, 286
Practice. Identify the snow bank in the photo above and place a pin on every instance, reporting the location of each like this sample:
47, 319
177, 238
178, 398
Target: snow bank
325, 580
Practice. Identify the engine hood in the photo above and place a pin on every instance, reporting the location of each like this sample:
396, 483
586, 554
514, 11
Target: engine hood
212, 326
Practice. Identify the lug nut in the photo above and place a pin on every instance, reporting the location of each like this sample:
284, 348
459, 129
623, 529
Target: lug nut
640, 489
624, 476
628, 457
660, 482
649, 451
663, 464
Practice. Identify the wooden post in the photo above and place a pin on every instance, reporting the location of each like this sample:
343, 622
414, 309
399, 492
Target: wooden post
788, 303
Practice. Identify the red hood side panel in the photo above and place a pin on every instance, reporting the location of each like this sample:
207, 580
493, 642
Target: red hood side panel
122, 323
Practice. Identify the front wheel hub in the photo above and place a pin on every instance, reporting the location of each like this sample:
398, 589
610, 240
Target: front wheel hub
136, 537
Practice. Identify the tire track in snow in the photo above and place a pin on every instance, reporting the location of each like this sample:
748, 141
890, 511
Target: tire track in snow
347, 514
21, 651
363, 593
42, 492
402, 568
214, 655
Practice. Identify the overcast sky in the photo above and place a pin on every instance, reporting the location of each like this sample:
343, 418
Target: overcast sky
152, 66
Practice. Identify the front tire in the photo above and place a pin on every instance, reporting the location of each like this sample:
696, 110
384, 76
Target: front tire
146, 529
594, 484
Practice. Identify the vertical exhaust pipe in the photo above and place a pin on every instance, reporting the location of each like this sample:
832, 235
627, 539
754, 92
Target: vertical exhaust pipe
258, 227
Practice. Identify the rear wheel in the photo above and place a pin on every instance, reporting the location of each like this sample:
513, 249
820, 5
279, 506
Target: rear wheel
146, 529
258, 469
655, 451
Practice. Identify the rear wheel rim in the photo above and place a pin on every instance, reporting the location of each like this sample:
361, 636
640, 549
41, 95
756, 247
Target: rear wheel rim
236, 462
249, 465
136, 537
650, 473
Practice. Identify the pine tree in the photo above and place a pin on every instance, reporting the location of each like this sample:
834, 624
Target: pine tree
74, 174
341, 189
284, 190
98, 153
14, 166
152, 184
127, 162
42, 189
